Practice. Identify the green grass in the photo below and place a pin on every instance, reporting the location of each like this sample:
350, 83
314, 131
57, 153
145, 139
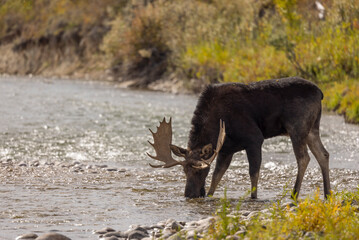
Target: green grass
311, 218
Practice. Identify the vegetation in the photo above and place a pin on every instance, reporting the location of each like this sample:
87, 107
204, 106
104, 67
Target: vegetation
204, 41
312, 218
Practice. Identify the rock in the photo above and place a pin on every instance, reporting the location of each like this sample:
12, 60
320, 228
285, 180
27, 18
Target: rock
245, 213
48, 163
175, 237
154, 231
22, 164
169, 222
153, 227
135, 234
105, 230
201, 225
240, 232
52, 236
110, 238
27, 236
233, 237
35, 164
101, 166
115, 234
111, 169
176, 226
253, 214
141, 229
193, 235
167, 232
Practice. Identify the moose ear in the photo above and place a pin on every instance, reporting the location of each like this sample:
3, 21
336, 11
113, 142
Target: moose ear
178, 151
206, 151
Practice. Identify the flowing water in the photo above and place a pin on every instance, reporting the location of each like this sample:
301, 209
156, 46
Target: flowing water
57, 136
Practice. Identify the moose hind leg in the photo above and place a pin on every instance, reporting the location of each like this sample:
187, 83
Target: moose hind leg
322, 156
302, 156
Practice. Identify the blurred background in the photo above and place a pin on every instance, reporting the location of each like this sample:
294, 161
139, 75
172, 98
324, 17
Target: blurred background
187, 43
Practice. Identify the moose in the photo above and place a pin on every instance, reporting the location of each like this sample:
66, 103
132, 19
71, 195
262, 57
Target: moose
238, 117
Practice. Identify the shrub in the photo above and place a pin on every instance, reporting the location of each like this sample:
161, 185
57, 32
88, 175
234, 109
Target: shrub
343, 98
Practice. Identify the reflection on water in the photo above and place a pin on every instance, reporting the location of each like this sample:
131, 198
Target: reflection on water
56, 134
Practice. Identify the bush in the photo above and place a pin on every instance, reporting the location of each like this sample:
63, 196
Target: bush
343, 99
213, 62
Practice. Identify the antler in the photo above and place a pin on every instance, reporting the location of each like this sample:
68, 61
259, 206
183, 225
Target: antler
221, 136
162, 141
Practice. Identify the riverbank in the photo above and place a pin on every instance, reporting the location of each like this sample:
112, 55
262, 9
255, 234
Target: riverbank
183, 46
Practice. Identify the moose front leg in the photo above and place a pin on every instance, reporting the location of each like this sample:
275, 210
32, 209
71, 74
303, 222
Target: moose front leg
222, 164
254, 155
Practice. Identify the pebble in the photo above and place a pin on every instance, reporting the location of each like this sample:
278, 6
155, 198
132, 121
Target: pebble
102, 166
27, 236
111, 169
110, 238
233, 237
253, 214
115, 234
35, 164
105, 230
52, 236
245, 213
22, 164
137, 235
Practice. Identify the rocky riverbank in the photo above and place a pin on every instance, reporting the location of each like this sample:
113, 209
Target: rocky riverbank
171, 229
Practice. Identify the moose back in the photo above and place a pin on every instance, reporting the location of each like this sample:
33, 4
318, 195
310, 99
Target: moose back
233, 117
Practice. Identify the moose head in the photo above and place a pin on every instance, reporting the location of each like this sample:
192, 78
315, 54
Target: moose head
196, 163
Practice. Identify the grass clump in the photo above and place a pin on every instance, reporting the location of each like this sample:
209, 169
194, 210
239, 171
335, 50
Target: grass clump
311, 218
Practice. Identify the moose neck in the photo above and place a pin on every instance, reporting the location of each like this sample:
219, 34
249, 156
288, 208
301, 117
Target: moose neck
205, 122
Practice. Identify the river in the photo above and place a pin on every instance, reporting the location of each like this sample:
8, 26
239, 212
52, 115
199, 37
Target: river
72, 159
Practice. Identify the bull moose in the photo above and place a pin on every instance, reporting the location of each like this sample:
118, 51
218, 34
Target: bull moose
237, 117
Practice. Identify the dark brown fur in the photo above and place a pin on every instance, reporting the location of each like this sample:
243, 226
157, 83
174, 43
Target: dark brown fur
252, 113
